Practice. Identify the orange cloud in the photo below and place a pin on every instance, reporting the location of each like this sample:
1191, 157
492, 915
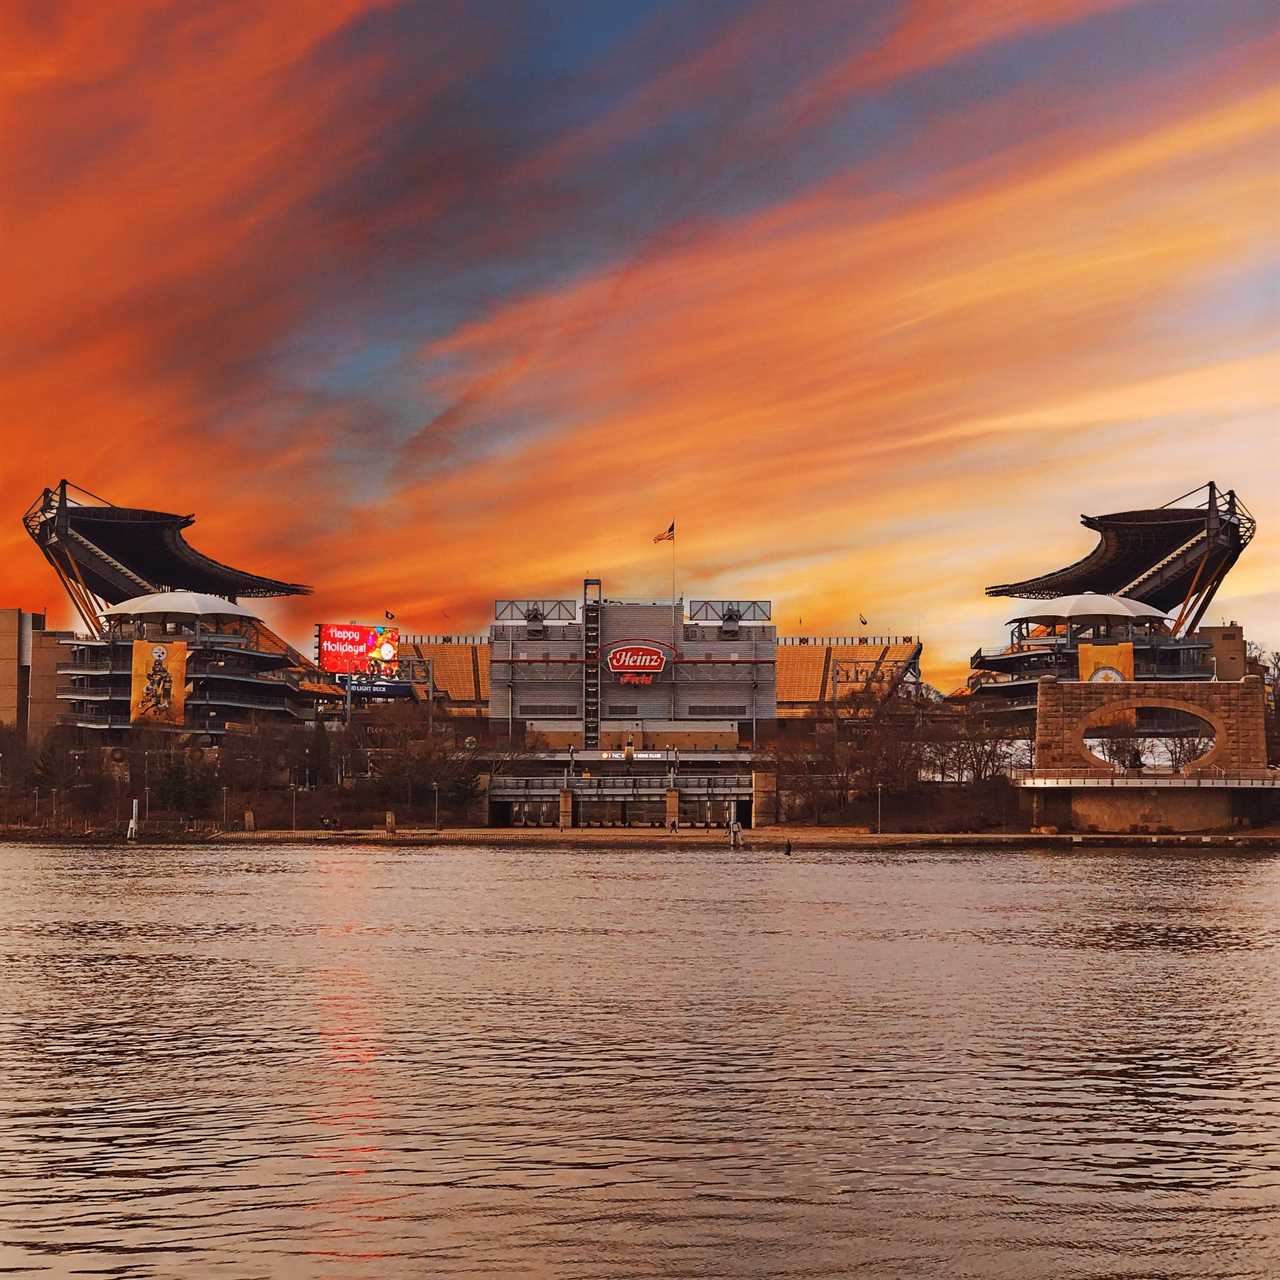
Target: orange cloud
849, 412
162, 232
875, 396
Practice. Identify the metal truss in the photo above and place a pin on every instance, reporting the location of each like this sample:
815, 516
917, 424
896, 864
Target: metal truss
719, 610
535, 610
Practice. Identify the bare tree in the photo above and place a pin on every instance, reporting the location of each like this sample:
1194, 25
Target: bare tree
1187, 750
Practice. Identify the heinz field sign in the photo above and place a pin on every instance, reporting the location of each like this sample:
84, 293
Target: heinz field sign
637, 661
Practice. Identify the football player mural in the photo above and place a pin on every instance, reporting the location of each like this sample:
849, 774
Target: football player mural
159, 692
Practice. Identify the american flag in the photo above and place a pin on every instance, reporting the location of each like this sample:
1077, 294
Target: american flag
669, 536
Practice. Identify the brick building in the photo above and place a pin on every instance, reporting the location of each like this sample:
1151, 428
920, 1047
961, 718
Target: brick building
29, 658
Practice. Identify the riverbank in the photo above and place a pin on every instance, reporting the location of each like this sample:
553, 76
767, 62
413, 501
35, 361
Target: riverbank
764, 840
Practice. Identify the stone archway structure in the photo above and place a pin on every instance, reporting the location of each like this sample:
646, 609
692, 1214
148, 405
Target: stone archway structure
1235, 709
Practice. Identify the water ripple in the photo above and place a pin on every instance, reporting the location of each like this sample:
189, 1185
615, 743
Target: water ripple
357, 1063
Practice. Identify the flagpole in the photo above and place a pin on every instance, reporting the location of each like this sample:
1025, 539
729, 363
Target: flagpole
674, 668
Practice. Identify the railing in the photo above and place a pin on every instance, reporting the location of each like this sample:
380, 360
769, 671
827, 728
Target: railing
651, 786
250, 675
1213, 778
1033, 671
100, 719
198, 650
644, 755
1048, 645
518, 633
823, 641
1005, 680
444, 639
195, 669
1054, 643
94, 666
238, 700
1001, 704
119, 719
706, 633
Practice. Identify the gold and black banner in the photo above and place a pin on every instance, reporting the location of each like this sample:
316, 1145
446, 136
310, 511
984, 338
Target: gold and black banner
159, 694
1109, 664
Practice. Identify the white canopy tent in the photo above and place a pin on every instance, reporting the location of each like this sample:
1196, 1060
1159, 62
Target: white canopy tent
1089, 606
177, 604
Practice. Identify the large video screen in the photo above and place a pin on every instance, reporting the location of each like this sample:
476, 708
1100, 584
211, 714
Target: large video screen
348, 648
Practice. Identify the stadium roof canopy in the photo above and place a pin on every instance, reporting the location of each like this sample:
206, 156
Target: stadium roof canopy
1172, 557
104, 554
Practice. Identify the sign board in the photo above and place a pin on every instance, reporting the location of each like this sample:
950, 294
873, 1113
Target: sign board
636, 661
363, 686
346, 647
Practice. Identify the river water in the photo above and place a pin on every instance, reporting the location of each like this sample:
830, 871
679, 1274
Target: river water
334, 1062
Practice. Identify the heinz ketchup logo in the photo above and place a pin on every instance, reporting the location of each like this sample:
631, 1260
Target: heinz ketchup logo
637, 659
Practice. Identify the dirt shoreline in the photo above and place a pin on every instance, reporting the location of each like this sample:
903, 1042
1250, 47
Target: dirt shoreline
764, 840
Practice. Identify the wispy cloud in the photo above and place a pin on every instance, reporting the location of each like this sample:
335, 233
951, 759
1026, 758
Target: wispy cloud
427, 313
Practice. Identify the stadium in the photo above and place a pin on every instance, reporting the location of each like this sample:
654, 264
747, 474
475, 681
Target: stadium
604, 709
598, 672
1131, 609
587, 710
621, 710
154, 608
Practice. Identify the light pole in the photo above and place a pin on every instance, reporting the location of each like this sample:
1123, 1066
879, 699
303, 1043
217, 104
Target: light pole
879, 825
435, 795
224, 808
146, 810
293, 793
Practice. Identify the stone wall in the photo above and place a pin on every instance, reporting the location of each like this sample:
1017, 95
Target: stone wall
764, 798
1235, 709
1138, 809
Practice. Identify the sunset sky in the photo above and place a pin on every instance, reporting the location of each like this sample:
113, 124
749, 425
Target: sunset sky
428, 303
